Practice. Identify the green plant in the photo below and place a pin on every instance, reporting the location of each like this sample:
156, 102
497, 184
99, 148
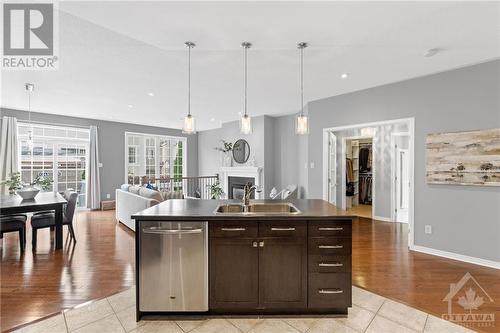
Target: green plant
14, 182
45, 183
226, 146
216, 190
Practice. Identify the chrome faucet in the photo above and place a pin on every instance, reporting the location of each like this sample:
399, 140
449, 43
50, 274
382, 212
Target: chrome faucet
247, 193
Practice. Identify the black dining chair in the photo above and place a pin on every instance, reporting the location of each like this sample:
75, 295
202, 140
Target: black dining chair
47, 219
14, 223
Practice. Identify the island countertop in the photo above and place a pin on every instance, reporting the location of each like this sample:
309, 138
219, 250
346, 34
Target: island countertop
189, 210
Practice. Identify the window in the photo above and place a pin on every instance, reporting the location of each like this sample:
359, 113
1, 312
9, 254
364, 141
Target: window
154, 156
59, 153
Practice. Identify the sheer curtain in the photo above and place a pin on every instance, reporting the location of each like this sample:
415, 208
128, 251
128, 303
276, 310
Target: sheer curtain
94, 185
8, 149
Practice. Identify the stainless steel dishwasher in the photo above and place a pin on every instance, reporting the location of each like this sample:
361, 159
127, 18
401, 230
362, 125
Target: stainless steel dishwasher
173, 266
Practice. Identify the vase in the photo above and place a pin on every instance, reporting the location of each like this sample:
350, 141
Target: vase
228, 160
28, 192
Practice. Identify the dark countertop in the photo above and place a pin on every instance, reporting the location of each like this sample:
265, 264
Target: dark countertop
180, 209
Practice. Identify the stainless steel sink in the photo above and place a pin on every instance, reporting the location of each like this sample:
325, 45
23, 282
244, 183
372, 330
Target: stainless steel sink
282, 208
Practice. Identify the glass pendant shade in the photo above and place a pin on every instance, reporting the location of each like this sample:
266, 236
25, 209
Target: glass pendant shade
245, 124
302, 124
189, 125
29, 142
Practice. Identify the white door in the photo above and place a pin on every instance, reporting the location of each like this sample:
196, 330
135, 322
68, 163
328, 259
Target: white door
402, 185
332, 168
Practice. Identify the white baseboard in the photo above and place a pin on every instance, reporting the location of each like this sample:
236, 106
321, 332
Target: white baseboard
456, 256
381, 218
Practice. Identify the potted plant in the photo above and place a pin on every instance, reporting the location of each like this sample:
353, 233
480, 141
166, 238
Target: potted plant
226, 149
14, 182
216, 191
43, 182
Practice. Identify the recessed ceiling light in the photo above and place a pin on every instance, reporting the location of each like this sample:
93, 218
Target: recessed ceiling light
212, 119
151, 94
130, 106
344, 75
431, 52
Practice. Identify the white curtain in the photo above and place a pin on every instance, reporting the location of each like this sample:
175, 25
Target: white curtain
94, 185
8, 150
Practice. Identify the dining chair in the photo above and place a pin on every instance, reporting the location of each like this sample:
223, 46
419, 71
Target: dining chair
47, 219
14, 223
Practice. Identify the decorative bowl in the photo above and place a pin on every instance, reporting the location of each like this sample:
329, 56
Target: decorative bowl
28, 193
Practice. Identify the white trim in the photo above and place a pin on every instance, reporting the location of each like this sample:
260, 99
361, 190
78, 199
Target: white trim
382, 218
393, 172
456, 256
326, 167
411, 131
243, 171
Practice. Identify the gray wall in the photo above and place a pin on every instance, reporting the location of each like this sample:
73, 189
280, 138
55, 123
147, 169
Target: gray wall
111, 144
465, 219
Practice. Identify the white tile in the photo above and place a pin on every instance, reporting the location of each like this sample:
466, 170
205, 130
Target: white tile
438, 325
127, 319
357, 318
273, 325
366, 299
110, 324
189, 325
403, 315
122, 300
329, 325
245, 324
216, 326
383, 325
53, 324
87, 314
158, 327
301, 324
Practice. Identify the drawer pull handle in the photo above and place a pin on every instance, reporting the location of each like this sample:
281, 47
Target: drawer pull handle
282, 229
233, 229
330, 291
330, 228
330, 246
336, 264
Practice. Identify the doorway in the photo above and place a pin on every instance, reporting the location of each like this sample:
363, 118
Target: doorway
381, 187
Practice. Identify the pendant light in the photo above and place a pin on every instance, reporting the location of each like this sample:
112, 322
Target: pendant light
245, 120
29, 88
189, 121
302, 123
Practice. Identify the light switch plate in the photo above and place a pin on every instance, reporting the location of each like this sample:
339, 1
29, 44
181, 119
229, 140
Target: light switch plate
428, 229
312, 165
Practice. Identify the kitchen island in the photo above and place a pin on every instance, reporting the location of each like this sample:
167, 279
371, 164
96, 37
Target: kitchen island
208, 257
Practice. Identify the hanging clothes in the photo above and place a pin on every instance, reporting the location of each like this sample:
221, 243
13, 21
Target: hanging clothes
349, 171
365, 189
365, 161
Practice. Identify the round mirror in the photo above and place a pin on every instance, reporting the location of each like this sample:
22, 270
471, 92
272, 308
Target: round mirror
241, 151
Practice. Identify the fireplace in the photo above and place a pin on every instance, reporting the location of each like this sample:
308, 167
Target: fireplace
236, 187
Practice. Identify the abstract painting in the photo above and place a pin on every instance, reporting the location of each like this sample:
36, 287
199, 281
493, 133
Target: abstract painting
464, 158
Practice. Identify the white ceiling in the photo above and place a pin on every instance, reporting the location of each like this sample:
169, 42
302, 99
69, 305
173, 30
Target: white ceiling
113, 53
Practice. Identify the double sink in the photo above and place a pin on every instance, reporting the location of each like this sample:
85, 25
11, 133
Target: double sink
282, 208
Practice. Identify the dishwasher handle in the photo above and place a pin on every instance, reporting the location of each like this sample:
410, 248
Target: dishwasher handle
167, 231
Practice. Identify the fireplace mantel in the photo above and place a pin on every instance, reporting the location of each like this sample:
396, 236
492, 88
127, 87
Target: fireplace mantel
243, 171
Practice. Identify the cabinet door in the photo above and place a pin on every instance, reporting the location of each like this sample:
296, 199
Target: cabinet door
233, 273
283, 273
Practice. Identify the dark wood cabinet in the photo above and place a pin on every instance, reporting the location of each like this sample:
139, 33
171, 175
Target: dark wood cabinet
280, 266
283, 273
234, 268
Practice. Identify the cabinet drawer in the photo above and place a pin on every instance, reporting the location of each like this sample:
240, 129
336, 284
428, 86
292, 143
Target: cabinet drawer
229, 229
282, 229
329, 290
329, 264
329, 245
337, 228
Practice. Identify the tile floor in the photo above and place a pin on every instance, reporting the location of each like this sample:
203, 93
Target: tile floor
369, 313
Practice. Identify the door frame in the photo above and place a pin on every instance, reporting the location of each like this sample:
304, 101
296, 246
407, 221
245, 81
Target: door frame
411, 149
393, 173
328, 167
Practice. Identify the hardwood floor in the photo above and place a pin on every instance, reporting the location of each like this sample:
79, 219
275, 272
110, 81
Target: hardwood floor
37, 284
102, 263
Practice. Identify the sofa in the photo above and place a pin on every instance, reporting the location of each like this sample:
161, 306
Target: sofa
131, 199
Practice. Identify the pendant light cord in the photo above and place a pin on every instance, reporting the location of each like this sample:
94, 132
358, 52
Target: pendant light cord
301, 81
246, 49
29, 106
189, 80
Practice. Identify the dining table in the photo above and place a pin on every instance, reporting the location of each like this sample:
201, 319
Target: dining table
14, 204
